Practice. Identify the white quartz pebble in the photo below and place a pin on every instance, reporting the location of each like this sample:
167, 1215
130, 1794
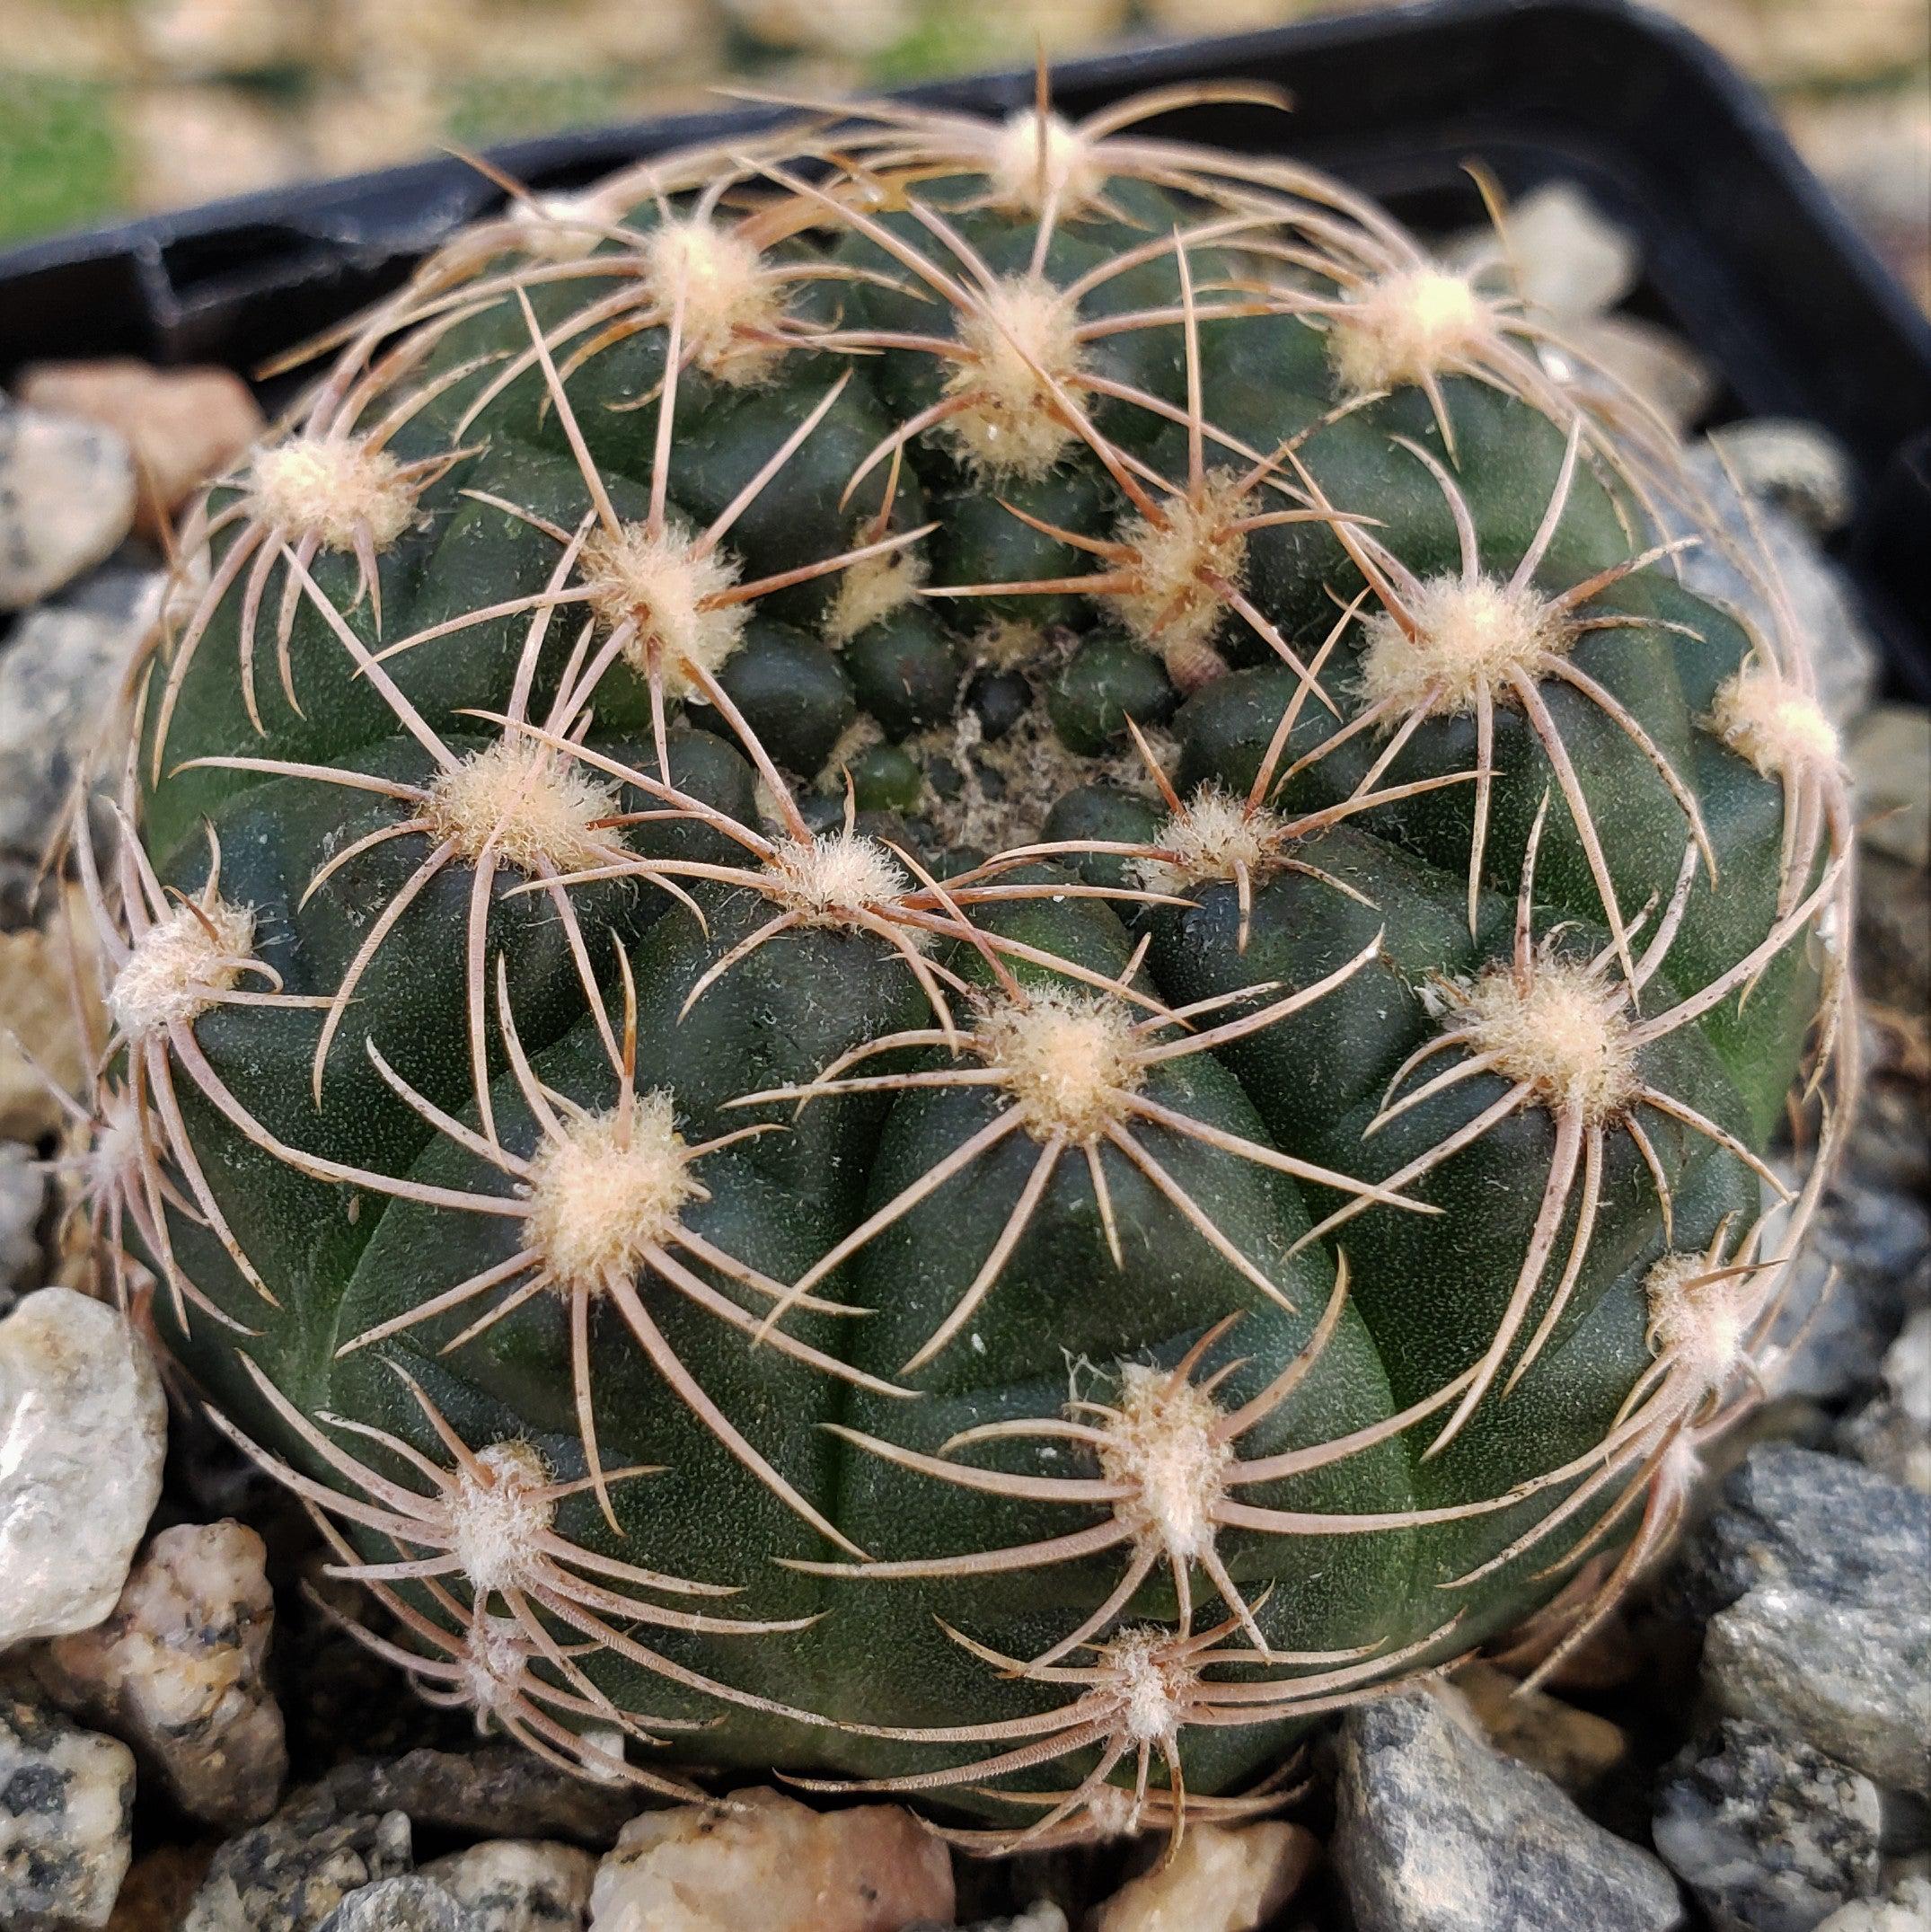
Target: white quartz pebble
770, 1864
83, 1429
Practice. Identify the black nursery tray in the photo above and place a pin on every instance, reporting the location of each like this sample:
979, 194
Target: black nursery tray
1746, 256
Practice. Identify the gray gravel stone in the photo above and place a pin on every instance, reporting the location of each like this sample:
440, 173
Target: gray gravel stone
290, 1873
1817, 1522
1892, 1435
400, 1905
1852, 1679
1876, 1242
1815, 1570
1770, 1835
59, 678
1437, 1832
66, 499
67, 1799
497, 1791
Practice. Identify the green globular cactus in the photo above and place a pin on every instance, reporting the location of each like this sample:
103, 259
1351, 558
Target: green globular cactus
942, 958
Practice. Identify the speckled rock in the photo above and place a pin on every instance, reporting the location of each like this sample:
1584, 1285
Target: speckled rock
67, 1799
1222, 1879
1907, 1907
58, 680
519, 1884
1436, 1832
1892, 1435
1770, 1835
773, 1865
414, 1904
177, 1672
497, 1791
1875, 1241
22, 1195
289, 1875
83, 1429
182, 425
1849, 1676
66, 499
1815, 1570
1573, 1747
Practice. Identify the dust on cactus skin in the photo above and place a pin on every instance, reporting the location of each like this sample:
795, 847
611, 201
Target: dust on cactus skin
1244, 1183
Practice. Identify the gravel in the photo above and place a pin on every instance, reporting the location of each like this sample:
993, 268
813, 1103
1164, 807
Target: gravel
1769, 1835
1813, 1575
1438, 1832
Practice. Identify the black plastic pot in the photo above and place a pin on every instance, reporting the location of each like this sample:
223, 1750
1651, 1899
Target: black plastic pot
1746, 255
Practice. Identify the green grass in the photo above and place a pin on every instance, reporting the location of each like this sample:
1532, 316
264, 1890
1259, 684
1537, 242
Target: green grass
478, 111
944, 42
60, 155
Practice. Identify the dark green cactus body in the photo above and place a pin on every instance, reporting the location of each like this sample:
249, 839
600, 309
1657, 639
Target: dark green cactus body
1150, 1075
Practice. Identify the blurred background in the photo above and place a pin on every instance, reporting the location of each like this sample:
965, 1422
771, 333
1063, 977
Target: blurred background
116, 106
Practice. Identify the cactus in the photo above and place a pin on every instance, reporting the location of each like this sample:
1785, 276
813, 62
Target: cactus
941, 957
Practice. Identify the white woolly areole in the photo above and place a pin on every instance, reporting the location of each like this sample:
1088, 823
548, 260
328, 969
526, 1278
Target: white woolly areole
1466, 636
872, 588
1177, 599
1408, 327
731, 304
1031, 166
333, 491
1113, 1812
536, 808
838, 874
1679, 1470
494, 1662
115, 1150
1211, 836
665, 593
1151, 1685
181, 967
1010, 424
606, 1190
496, 1517
1163, 1443
1068, 1059
1557, 1029
1764, 717
1701, 1325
